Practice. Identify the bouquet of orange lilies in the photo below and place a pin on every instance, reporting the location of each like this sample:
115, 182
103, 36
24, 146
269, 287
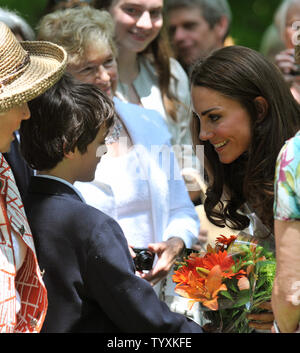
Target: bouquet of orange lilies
230, 281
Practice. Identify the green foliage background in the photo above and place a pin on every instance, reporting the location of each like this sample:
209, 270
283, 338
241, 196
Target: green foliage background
31, 10
250, 20
250, 17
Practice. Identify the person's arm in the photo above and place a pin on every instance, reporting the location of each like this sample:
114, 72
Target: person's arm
182, 228
286, 290
128, 301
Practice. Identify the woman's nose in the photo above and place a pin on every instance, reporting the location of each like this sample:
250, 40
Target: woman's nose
102, 74
144, 21
205, 134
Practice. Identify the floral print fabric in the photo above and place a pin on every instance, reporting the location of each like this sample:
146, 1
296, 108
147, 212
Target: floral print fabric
287, 181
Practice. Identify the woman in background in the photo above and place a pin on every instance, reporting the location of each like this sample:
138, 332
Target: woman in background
150, 77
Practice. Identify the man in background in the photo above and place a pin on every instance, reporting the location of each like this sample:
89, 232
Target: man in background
197, 27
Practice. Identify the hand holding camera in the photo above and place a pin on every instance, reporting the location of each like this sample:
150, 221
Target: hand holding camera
167, 252
144, 259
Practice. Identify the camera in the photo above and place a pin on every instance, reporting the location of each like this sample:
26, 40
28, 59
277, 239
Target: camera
144, 259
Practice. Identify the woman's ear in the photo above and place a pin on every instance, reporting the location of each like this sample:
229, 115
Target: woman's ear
262, 107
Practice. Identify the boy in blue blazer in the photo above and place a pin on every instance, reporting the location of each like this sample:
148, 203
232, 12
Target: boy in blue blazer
89, 272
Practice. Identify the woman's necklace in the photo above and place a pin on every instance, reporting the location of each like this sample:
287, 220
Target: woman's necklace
115, 133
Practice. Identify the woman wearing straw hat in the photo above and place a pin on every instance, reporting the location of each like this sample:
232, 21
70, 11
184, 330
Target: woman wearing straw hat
21, 171
27, 69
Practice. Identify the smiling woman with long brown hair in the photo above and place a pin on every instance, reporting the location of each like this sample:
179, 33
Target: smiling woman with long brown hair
243, 114
149, 76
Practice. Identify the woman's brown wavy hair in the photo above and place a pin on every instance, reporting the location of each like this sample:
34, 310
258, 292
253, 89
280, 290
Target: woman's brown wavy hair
243, 74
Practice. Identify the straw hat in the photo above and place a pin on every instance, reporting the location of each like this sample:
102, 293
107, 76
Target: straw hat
27, 69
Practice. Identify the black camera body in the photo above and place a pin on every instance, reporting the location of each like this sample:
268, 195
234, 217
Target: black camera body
144, 259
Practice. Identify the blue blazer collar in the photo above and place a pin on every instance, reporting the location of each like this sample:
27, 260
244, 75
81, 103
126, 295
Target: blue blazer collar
48, 186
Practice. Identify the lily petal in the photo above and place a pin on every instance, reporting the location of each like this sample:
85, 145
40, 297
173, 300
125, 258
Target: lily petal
243, 283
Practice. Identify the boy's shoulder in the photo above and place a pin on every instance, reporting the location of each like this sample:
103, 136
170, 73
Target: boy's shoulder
57, 204
57, 199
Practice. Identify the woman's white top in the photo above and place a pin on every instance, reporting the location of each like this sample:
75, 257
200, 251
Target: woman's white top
133, 210
147, 87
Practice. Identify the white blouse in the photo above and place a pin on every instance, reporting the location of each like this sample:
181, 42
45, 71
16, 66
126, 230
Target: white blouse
133, 207
147, 87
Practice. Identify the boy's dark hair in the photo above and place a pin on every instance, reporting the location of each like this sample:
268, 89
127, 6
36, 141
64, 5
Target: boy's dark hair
66, 116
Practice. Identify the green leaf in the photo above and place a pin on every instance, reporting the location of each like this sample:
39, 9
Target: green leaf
259, 283
231, 285
242, 299
259, 294
226, 294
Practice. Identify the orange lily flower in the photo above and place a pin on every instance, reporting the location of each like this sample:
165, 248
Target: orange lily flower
184, 273
207, 292
222, 240
181, 276
225, 262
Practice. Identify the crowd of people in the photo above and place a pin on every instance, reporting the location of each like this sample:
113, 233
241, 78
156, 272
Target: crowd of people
119, 121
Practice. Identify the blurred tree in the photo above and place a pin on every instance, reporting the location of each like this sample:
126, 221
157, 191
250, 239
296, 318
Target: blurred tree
31, 10
251, 18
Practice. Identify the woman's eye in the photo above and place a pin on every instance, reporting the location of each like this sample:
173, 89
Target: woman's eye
86, 70
109, 62
214, 117
131, 10
155, 13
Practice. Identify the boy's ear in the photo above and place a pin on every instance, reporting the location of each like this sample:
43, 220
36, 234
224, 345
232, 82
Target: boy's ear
262, 107
69, 154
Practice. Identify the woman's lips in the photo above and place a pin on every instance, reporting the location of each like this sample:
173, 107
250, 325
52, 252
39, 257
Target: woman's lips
219, 146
